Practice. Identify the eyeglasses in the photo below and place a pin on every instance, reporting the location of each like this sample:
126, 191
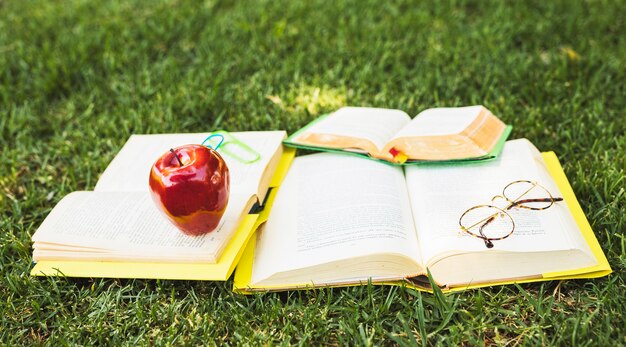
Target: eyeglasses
492, 223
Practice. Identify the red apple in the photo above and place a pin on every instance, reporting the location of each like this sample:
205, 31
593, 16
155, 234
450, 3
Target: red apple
191, 185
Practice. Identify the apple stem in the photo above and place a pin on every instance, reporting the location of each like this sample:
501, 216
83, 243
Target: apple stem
176, 155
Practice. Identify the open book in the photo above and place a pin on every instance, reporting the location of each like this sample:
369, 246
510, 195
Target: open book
338, 220
118, 221
436, 134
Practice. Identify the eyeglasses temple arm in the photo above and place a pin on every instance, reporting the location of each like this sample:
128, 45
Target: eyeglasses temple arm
519, 202
488, 242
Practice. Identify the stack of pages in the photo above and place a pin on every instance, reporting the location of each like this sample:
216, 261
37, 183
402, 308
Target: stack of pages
390, 212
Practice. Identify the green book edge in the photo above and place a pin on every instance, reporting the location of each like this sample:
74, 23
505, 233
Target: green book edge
493, 154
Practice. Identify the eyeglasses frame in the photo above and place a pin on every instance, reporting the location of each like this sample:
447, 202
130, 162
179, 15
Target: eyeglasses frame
502, 211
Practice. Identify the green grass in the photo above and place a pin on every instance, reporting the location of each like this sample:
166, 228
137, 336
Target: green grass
77, 78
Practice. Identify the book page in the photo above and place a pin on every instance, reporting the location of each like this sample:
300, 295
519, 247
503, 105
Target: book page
440, 121
375, 124
128, 226
130, 169
333, 207
441, 194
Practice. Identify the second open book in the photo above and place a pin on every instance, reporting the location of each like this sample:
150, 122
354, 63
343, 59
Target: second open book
340, 220
436, 134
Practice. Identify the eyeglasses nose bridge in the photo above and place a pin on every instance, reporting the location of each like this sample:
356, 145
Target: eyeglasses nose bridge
496, 197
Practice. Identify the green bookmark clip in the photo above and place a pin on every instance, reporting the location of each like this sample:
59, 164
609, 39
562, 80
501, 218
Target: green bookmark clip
229, 145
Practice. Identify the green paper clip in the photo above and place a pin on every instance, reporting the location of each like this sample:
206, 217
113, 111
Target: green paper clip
213, 146
231, 146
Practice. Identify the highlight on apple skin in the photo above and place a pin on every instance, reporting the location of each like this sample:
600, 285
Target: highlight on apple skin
191, 185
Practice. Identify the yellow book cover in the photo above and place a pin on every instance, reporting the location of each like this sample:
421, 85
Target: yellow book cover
596, 266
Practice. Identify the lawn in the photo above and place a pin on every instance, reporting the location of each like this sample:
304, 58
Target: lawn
77, 78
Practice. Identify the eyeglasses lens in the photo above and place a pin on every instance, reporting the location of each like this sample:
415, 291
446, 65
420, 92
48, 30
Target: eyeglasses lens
487, 222
531, 195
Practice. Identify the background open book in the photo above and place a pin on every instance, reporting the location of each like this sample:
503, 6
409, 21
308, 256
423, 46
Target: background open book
117, 231
339, 220
436, 134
